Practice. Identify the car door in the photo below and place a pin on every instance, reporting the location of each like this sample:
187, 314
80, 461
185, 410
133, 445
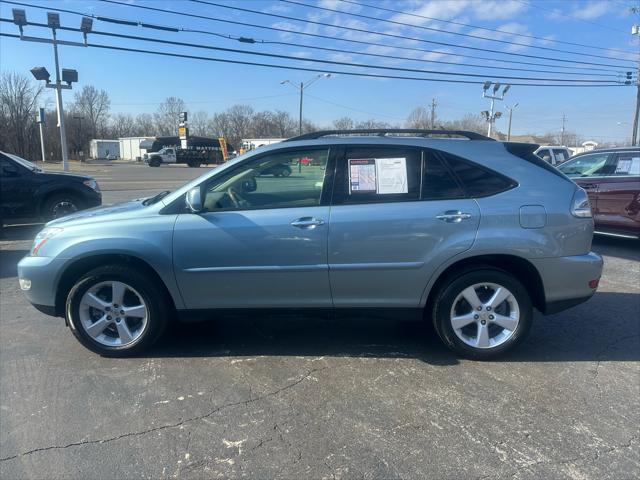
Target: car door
17, 187
619, 195
588, 170
262, 240
397, 214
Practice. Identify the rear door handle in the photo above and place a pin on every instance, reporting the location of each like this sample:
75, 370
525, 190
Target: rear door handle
589, 186
453, 216
307, 223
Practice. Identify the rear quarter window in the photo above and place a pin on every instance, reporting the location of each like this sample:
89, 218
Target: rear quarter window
476, 181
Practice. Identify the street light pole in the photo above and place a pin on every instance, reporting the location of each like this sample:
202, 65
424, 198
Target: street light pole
635, 30
58, 87
301, 89
492, 116
40, 120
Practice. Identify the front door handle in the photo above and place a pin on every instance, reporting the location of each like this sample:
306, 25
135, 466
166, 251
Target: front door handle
453, 216
589, 186
307, 223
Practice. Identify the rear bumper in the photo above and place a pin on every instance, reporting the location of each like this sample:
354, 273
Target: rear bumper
566, 279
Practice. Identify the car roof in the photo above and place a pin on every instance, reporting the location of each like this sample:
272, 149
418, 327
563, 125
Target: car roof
609, 150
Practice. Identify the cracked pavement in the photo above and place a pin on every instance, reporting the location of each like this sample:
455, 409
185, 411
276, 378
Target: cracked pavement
310, 397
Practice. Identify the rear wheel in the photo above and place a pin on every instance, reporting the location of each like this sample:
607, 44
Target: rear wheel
482, 314
193, 163
116, 311
61, 204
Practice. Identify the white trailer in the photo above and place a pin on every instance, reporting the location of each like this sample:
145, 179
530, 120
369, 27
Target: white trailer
104, 149
251, 143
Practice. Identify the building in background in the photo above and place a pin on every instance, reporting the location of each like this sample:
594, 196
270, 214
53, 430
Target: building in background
130, 148
104, 149
251, 143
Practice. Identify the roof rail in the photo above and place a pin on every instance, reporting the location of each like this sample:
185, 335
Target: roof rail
383, 132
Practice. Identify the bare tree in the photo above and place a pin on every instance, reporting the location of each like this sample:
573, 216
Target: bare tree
371, 124
123, 125
419, 118
93, 105
198, 123
344, 123
167, 116
18, 106
284, 124
470, 122
145, 126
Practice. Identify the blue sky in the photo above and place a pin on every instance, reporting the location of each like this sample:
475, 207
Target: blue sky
137, 83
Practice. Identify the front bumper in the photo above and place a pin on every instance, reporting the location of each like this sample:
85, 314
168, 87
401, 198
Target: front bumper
566, 279
43, 274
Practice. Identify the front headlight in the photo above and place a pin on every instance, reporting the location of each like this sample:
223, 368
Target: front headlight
42, 238
92, 184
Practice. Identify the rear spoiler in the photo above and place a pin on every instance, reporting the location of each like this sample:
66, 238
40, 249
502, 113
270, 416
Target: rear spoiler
525, 152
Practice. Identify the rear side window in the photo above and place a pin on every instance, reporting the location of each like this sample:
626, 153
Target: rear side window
438, 182
477, 181
627, 164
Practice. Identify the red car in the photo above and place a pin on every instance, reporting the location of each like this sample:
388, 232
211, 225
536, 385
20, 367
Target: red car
611, 177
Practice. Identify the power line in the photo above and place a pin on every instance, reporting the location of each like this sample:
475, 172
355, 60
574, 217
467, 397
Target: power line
328, 62
314, 70
328, 37
299, 45
529, 4
497, 30
431, 29
401, 37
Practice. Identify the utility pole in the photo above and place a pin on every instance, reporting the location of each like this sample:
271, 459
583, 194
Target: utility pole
301, 89
564, 117
434, 104
510, 115
635, 30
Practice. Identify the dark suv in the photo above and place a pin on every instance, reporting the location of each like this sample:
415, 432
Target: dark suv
29, 193
611, 178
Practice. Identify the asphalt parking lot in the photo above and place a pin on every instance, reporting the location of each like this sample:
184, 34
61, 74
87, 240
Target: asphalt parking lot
312, 397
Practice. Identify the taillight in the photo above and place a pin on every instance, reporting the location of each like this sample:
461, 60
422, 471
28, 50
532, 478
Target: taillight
580, 206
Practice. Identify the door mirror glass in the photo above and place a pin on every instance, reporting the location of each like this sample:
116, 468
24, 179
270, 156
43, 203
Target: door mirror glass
193, 200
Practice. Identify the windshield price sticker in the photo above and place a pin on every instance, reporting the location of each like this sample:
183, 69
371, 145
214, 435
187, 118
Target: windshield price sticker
378, 175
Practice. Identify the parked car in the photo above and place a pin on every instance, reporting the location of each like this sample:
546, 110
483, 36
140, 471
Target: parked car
31, 194
278, 170
553, 154
471, 234
611, 178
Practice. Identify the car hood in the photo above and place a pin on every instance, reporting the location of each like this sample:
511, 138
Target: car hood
58, 175
99, 214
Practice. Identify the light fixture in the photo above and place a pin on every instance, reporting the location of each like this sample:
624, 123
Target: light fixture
40, 73
69, 75
53, 20
19, 17
506, 89
486, 86
86, 24
496, 87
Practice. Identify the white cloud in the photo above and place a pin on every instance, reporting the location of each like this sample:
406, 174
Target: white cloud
592, 10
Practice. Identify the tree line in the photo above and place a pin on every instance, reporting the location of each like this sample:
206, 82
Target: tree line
89, 115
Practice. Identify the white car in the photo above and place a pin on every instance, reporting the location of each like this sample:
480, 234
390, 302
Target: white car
553, 154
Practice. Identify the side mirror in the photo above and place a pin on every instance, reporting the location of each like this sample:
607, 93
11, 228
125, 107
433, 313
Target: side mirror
193, 200
249, 185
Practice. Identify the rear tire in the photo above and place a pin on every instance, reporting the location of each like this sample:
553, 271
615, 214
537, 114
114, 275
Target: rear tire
194, 164
482, 314
61, 204
116, 311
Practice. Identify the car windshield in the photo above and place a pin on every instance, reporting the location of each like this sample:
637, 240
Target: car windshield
584, 166
23, 162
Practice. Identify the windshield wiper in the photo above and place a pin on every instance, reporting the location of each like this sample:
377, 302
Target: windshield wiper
156, 198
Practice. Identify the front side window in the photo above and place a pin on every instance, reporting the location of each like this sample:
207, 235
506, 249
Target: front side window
275, 180
378, 174
593, 164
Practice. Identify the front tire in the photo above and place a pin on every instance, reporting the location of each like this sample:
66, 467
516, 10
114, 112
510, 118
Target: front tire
116, 311
61, 204
155, 162
482, 314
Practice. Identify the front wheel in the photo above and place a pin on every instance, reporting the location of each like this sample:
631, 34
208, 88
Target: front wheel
482, 314
116, 311
61, 204
155, 162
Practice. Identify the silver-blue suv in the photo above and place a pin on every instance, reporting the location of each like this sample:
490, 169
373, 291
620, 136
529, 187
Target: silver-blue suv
471, 233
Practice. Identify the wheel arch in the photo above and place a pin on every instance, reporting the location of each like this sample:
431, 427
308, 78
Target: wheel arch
523, 270
82, 265
45, 196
